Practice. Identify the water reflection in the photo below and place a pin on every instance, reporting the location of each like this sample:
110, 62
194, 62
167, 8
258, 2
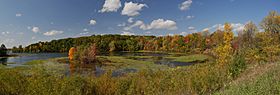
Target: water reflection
85, 69
133, 54
22, 58
3, 60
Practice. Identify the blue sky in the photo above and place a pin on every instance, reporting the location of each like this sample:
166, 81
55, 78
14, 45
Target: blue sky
28, 21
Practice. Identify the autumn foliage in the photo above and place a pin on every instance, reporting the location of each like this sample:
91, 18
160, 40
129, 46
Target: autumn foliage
71, 53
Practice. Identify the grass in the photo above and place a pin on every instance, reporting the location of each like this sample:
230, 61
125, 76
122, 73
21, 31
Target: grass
190, 58
34, 62
263, 79
119, 62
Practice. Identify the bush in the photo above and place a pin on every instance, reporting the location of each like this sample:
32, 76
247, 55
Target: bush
86, 55
238, 65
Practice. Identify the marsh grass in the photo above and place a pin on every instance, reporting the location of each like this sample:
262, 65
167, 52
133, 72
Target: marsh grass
49, 79
191, 58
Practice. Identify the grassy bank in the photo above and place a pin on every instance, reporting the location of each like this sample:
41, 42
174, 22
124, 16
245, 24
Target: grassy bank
260, 79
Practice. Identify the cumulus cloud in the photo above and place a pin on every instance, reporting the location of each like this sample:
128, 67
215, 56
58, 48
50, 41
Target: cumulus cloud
162, 24
111, 6
53, 32
85, 29
92, 22
183, 33
155, 24
236, 27
18, 15
185, 5
35, 29
191, 28
132, 9
136, 24
130, 20
127, 33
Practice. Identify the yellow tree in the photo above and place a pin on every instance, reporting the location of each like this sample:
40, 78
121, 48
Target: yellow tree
224, 51
71, 53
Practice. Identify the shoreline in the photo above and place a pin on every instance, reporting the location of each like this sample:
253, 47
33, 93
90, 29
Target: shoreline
8, 56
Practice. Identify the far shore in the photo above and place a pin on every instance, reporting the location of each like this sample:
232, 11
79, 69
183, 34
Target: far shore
12, 55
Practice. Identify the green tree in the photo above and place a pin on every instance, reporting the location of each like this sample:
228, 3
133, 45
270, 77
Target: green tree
3, 50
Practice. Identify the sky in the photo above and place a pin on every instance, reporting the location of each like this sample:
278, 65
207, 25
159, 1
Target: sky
23, 22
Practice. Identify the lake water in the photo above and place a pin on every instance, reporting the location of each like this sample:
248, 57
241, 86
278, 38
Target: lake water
26, 57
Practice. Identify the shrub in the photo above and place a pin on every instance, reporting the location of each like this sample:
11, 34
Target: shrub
86, 55
237, 65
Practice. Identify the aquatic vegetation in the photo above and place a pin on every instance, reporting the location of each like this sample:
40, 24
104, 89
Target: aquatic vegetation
191, 58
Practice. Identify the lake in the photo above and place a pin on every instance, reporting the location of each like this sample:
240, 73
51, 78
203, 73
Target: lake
26, 57
93, 69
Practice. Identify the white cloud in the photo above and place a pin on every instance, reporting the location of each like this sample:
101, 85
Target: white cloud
205, 29
190, 17
136, 24
18, 15
132, 9
183, 33
111, 6
92, 22
191, 28
170, 34
236, 27
53, 32
185, 5
84, 33
85, 29
155, 24
5, 33
121, 25
127, 33
162, 24
35, 29
130, 20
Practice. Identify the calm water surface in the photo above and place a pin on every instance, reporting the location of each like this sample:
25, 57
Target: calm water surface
26, 57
